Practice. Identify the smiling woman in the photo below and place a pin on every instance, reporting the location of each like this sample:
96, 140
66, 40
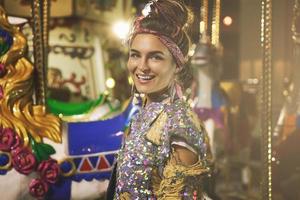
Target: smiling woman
165, 153
151, 65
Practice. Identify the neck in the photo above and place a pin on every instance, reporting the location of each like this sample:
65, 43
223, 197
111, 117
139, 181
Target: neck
159, 96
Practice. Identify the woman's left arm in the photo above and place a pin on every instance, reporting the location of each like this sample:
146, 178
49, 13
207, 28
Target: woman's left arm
183, 163
183, 155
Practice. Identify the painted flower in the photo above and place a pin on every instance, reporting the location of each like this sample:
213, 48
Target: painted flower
49, 170
8, 139
38, 188
23, 160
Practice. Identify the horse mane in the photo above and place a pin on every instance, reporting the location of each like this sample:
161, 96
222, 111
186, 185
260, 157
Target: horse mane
17, 107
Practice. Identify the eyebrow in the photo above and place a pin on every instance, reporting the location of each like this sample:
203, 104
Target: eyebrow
151, 52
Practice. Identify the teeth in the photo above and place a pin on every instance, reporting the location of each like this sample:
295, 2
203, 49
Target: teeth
144, 77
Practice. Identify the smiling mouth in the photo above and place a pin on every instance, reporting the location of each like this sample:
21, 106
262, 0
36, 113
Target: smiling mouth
145, 77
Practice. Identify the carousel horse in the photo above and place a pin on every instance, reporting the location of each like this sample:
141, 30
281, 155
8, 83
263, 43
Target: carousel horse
222, 106
210, 103
209, 100
23, 124
88, 152
88, 141
92, 128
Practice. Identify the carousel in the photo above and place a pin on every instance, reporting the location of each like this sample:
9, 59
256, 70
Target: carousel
65, 95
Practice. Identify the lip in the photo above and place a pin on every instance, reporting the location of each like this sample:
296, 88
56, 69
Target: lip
144, 78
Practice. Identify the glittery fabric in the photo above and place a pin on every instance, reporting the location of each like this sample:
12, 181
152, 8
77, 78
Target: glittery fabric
140, 156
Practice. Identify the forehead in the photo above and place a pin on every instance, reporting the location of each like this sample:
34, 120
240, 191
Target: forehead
148, 42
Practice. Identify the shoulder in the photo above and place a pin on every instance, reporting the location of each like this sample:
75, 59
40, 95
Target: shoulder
185, 126
181, 114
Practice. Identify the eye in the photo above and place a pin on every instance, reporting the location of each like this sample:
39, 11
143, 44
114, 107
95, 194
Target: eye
134, 55
156, 57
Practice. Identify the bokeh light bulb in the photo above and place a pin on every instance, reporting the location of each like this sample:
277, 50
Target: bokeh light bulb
110, 83
121, 29
227, 21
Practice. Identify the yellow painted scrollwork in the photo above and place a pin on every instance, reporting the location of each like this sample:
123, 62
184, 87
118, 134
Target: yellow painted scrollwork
17, 107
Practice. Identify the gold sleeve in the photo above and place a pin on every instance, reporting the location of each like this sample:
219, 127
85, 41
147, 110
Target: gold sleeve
175, 177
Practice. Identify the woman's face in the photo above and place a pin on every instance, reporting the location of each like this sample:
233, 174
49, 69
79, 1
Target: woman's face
150, 64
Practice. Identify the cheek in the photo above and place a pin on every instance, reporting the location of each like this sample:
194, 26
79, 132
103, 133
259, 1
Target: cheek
170, 76
164, 68
130, 66
167, 76
168, 72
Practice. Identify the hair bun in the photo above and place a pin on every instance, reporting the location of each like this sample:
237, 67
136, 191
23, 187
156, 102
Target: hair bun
168, 18
169, 11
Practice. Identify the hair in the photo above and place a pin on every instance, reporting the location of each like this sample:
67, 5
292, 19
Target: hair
170, 18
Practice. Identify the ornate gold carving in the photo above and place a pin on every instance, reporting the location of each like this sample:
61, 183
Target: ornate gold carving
17, 106
73, 169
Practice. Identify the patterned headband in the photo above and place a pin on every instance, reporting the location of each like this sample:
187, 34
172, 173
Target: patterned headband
167, 41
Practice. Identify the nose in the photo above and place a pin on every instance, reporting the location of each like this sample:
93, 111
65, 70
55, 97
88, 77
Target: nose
143, 65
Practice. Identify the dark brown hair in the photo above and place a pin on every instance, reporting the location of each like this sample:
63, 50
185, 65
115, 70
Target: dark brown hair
170, 18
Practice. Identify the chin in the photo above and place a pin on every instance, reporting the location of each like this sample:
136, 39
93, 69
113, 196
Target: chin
143, 91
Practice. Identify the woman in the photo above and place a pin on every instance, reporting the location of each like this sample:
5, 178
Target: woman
165, 153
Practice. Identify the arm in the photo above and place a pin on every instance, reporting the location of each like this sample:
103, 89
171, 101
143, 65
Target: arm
183, 155
182, 164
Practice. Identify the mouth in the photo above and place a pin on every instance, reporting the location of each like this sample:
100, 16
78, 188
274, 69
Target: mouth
144, 77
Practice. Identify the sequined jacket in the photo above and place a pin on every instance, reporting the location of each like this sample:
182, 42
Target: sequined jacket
146, 169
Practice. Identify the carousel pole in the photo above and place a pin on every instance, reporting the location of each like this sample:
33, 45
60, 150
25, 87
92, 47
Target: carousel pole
40, 15
203, 21
296, 56
266, 102
295, 22
215, 34
46, 17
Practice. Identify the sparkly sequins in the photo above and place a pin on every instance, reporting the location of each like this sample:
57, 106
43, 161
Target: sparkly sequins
140, 156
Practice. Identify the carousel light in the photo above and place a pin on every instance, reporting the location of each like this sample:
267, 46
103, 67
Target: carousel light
213, 26
202, 26
273, 159
255, 81
17, 20
106, 92
110, 83
227, 21
192, 50
121, 29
